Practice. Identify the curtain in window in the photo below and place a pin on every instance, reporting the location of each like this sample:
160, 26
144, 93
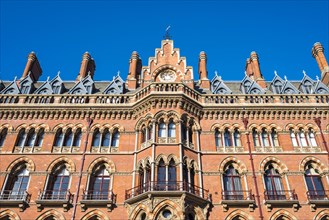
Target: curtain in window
265, 138
30, 139
311, 137
302, 138
236, 136
274, 137
232, 184
314, 183
21, 138
273, 184
100, 183
161, 175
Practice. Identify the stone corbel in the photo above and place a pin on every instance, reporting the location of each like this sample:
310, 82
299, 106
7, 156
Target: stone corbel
65, 207
269, 207
295, 207
39, 207
225, 207
251, 207
313, 207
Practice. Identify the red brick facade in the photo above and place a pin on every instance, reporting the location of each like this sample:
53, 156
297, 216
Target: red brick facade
164, 147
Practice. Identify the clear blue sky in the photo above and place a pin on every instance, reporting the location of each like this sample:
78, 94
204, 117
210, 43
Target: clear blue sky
281, 32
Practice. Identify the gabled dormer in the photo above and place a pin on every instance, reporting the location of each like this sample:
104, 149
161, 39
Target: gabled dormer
116, 86
2, 86
307, 85
289, 88
26, 85
44, 89
277, 84
248, 86
218, 86
57, 84
85, 86
320, 87
12, 88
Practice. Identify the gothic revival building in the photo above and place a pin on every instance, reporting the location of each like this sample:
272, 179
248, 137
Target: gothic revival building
161, 145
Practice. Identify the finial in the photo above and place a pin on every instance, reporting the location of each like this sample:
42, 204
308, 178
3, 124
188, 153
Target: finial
285, 78
29, 73
15, 78
304, 72
89, 73
118, 73
245, 72
216, 73
48, 79
317, 78
59, 72
275, 73
167, 35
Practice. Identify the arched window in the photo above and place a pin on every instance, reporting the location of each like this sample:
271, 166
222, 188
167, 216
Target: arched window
99, 185
77, 138
311, 137
17, 182
171, 129
150, 132
255, 137
106, 138
192, 177
302, 138
218, 140
183, 131
246, 86
265, 138
293, 138
30, 139
232, 184
314, 184
227, 138
3, 136
236, 136
185, 173
161, 175
68, 139
172, 175
25, 88
273, 184
59, 138
144, 134
278, 87
21, 138
96, 138
162, 130
274, 137
40, 136
58, 184
115, 138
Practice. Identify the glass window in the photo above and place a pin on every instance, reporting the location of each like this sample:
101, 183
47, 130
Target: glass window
236, 136
265, 137
143, 133
311, 137
255, 137
31, 138
3, 136
302, 138
21, 138
115, 138
172, 175
150, 132
293, 138
273, 184
99, 185
59, 138
162, 129
40, 136
77, 138
314, 183
274, 137
17, 184
106, 138
217, 138
58, 185
96, 138
161, 175
227, 138
171, 129
68, 138
232, 184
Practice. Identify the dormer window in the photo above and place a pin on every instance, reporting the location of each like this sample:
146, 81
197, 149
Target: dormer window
25, 87
246, 86
278, 87
308, 87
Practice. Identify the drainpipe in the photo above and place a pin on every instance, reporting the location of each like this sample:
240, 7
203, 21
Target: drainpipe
245, 122
89, 121
318, 123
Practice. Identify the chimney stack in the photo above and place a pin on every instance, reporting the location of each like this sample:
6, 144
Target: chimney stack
203, 73
318, 54
253, 69
88, 66
33, 67
135, 67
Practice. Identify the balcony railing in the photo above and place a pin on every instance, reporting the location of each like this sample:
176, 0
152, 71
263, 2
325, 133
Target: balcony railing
280, 195
318, 195
54, 195
237, 195
97, 195
14, 195
167, 186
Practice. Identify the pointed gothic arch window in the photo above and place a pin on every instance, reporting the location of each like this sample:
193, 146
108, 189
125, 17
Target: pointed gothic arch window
31, 137
96, 138
17, 183
278, 86
311, 137
3, 135
314, 184
77, 137
171, 129
115, 138
274, 137
59, 138
227, 138
172, 175
293, 138
265, 138
39, 139
308, 86
161, 175
106, 138
99, 186
232, 184
236, 136
21, 138
218, 138
255, 137
58, 184
273, 184
162, 129
302, 138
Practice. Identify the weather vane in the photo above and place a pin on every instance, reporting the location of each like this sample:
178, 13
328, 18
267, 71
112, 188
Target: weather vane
167, 36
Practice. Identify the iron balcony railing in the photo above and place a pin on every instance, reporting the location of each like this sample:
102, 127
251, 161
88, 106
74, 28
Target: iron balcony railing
280, 195
55, 195
167, 186
14, 195
318, 194
98, 195
237, 195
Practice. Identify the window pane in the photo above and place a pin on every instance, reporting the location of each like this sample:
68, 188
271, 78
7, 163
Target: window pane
171, 130
106, 138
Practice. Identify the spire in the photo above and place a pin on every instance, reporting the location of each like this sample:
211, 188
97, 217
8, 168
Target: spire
167, 35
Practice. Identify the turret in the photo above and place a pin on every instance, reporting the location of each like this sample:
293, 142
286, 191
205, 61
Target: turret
33, 67
318, 54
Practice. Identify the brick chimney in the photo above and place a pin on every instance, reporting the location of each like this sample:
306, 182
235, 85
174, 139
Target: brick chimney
203, 73
88, 66
253, 69
33, 67
318, 54
135, 68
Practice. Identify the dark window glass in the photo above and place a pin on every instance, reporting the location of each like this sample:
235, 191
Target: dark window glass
59, 138
40, 136
161, 175
106, 138
100, 184
96, 138
68, 138
77, 138
171, 175
115, 138
273, 184
232, 184
3, 136
21, 138
58, 184
17, 184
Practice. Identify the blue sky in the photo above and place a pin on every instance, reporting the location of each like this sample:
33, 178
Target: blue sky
281, 32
